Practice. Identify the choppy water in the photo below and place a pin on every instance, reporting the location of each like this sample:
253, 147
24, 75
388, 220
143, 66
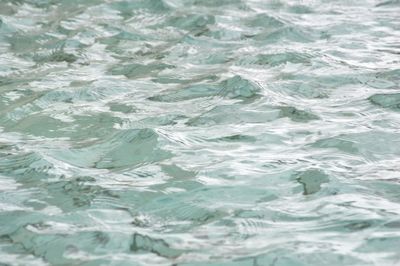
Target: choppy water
199, 132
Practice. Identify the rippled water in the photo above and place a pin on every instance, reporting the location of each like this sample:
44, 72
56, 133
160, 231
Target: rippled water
199, 132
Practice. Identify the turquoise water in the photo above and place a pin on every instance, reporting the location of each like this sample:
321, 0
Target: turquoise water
199, 132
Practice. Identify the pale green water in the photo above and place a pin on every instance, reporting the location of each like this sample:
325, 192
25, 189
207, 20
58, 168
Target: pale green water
199, 132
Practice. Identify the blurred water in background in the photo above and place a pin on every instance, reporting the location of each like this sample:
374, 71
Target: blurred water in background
199, 132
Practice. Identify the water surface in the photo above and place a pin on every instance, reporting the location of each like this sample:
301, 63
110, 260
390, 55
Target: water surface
199, 132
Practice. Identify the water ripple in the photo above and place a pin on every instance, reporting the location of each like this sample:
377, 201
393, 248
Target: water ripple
199, 132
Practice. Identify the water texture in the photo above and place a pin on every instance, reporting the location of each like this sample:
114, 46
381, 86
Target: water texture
199, 132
